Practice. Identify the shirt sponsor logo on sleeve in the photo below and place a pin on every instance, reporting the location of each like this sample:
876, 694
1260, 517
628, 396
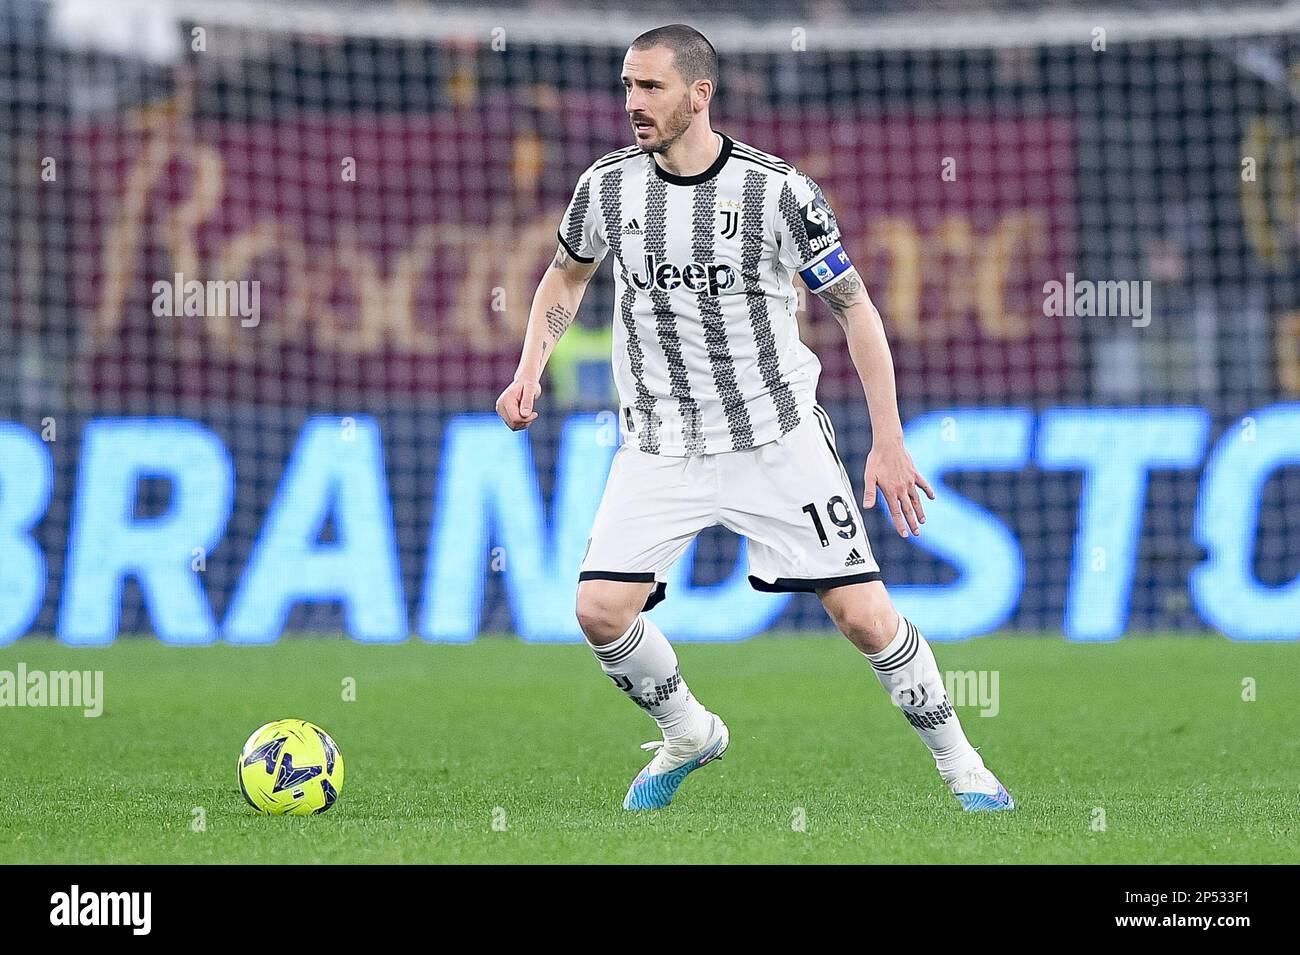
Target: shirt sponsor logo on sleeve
819, 222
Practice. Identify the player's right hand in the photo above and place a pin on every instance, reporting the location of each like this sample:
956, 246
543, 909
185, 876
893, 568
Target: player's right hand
515, 406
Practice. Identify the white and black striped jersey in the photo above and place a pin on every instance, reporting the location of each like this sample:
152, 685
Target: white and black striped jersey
707, 356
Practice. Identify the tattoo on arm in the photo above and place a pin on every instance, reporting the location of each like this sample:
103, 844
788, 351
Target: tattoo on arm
558, 320
575, 271
843, 294
562, 260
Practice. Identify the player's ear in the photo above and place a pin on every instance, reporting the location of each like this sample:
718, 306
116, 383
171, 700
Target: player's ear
702, 95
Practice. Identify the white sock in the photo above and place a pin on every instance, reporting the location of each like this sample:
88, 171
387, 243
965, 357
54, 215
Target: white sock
908, 672
643, 665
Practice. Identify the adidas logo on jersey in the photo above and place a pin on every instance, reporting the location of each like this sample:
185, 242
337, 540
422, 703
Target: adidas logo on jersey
711, 279
632, 227
854, 559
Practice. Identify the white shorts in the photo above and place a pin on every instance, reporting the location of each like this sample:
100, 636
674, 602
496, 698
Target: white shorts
791, 497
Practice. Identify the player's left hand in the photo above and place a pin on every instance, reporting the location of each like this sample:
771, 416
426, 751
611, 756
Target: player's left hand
890, 468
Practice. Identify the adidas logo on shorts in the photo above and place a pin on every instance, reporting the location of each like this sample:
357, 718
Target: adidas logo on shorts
854, 559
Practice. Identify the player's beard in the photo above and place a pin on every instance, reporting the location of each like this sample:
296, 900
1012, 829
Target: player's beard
674, 126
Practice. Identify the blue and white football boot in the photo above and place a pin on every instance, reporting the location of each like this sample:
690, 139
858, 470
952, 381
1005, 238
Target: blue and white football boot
655, 786
978, 790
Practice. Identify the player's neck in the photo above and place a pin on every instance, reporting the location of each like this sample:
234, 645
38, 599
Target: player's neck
693, 153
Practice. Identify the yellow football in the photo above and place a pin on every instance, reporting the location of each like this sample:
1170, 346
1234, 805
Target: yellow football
290, 768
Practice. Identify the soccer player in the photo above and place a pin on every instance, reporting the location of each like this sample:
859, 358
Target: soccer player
718, 413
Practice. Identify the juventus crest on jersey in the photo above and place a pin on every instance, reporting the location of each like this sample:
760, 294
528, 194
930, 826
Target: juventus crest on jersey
707, 356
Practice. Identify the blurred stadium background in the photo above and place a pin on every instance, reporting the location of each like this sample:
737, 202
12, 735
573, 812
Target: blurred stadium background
391, 176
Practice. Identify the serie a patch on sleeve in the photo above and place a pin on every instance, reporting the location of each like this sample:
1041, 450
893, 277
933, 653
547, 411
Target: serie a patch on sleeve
827, 269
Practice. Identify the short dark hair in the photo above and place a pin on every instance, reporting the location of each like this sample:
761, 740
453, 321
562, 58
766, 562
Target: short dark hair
693, 55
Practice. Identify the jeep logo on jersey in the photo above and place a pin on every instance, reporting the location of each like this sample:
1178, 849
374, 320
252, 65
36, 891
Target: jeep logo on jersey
711, 279
819, 221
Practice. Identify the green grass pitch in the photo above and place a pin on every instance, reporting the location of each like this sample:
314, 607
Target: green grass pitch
505, 752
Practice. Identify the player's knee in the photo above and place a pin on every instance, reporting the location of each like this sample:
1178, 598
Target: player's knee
871, 631
868, 619
604, 613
